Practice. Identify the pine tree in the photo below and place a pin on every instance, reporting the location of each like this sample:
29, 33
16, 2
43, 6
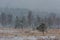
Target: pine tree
42, 28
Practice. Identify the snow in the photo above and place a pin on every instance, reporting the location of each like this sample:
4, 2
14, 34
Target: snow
26, 38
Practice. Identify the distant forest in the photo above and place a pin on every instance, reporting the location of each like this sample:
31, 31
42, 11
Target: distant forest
27, 20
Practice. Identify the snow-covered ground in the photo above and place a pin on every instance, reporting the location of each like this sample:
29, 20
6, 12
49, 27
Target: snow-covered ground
28, 38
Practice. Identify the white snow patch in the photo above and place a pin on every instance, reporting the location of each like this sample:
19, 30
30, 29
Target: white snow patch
26, 38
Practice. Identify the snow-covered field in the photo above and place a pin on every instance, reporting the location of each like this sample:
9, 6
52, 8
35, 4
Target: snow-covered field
29, 38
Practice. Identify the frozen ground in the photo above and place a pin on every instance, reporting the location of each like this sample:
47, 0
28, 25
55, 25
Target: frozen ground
29, 38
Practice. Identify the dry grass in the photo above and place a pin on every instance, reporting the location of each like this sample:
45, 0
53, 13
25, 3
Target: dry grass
27, 32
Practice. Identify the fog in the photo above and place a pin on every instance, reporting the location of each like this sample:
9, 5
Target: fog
42, 5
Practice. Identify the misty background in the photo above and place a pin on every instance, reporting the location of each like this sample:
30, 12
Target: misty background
29, 13
42, 5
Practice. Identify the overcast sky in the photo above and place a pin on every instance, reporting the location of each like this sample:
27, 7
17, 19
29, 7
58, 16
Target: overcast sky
45, 5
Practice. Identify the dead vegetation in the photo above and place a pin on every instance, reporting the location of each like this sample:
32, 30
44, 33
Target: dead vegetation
27, 32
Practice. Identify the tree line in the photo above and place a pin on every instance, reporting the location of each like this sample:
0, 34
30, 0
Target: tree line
5, 19
30, 20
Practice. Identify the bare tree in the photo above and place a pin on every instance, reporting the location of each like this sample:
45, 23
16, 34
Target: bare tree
58, 21
9, 18
3, 18
23, 22
17, 22
51, 19
50, 23
38, 20
30, 18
